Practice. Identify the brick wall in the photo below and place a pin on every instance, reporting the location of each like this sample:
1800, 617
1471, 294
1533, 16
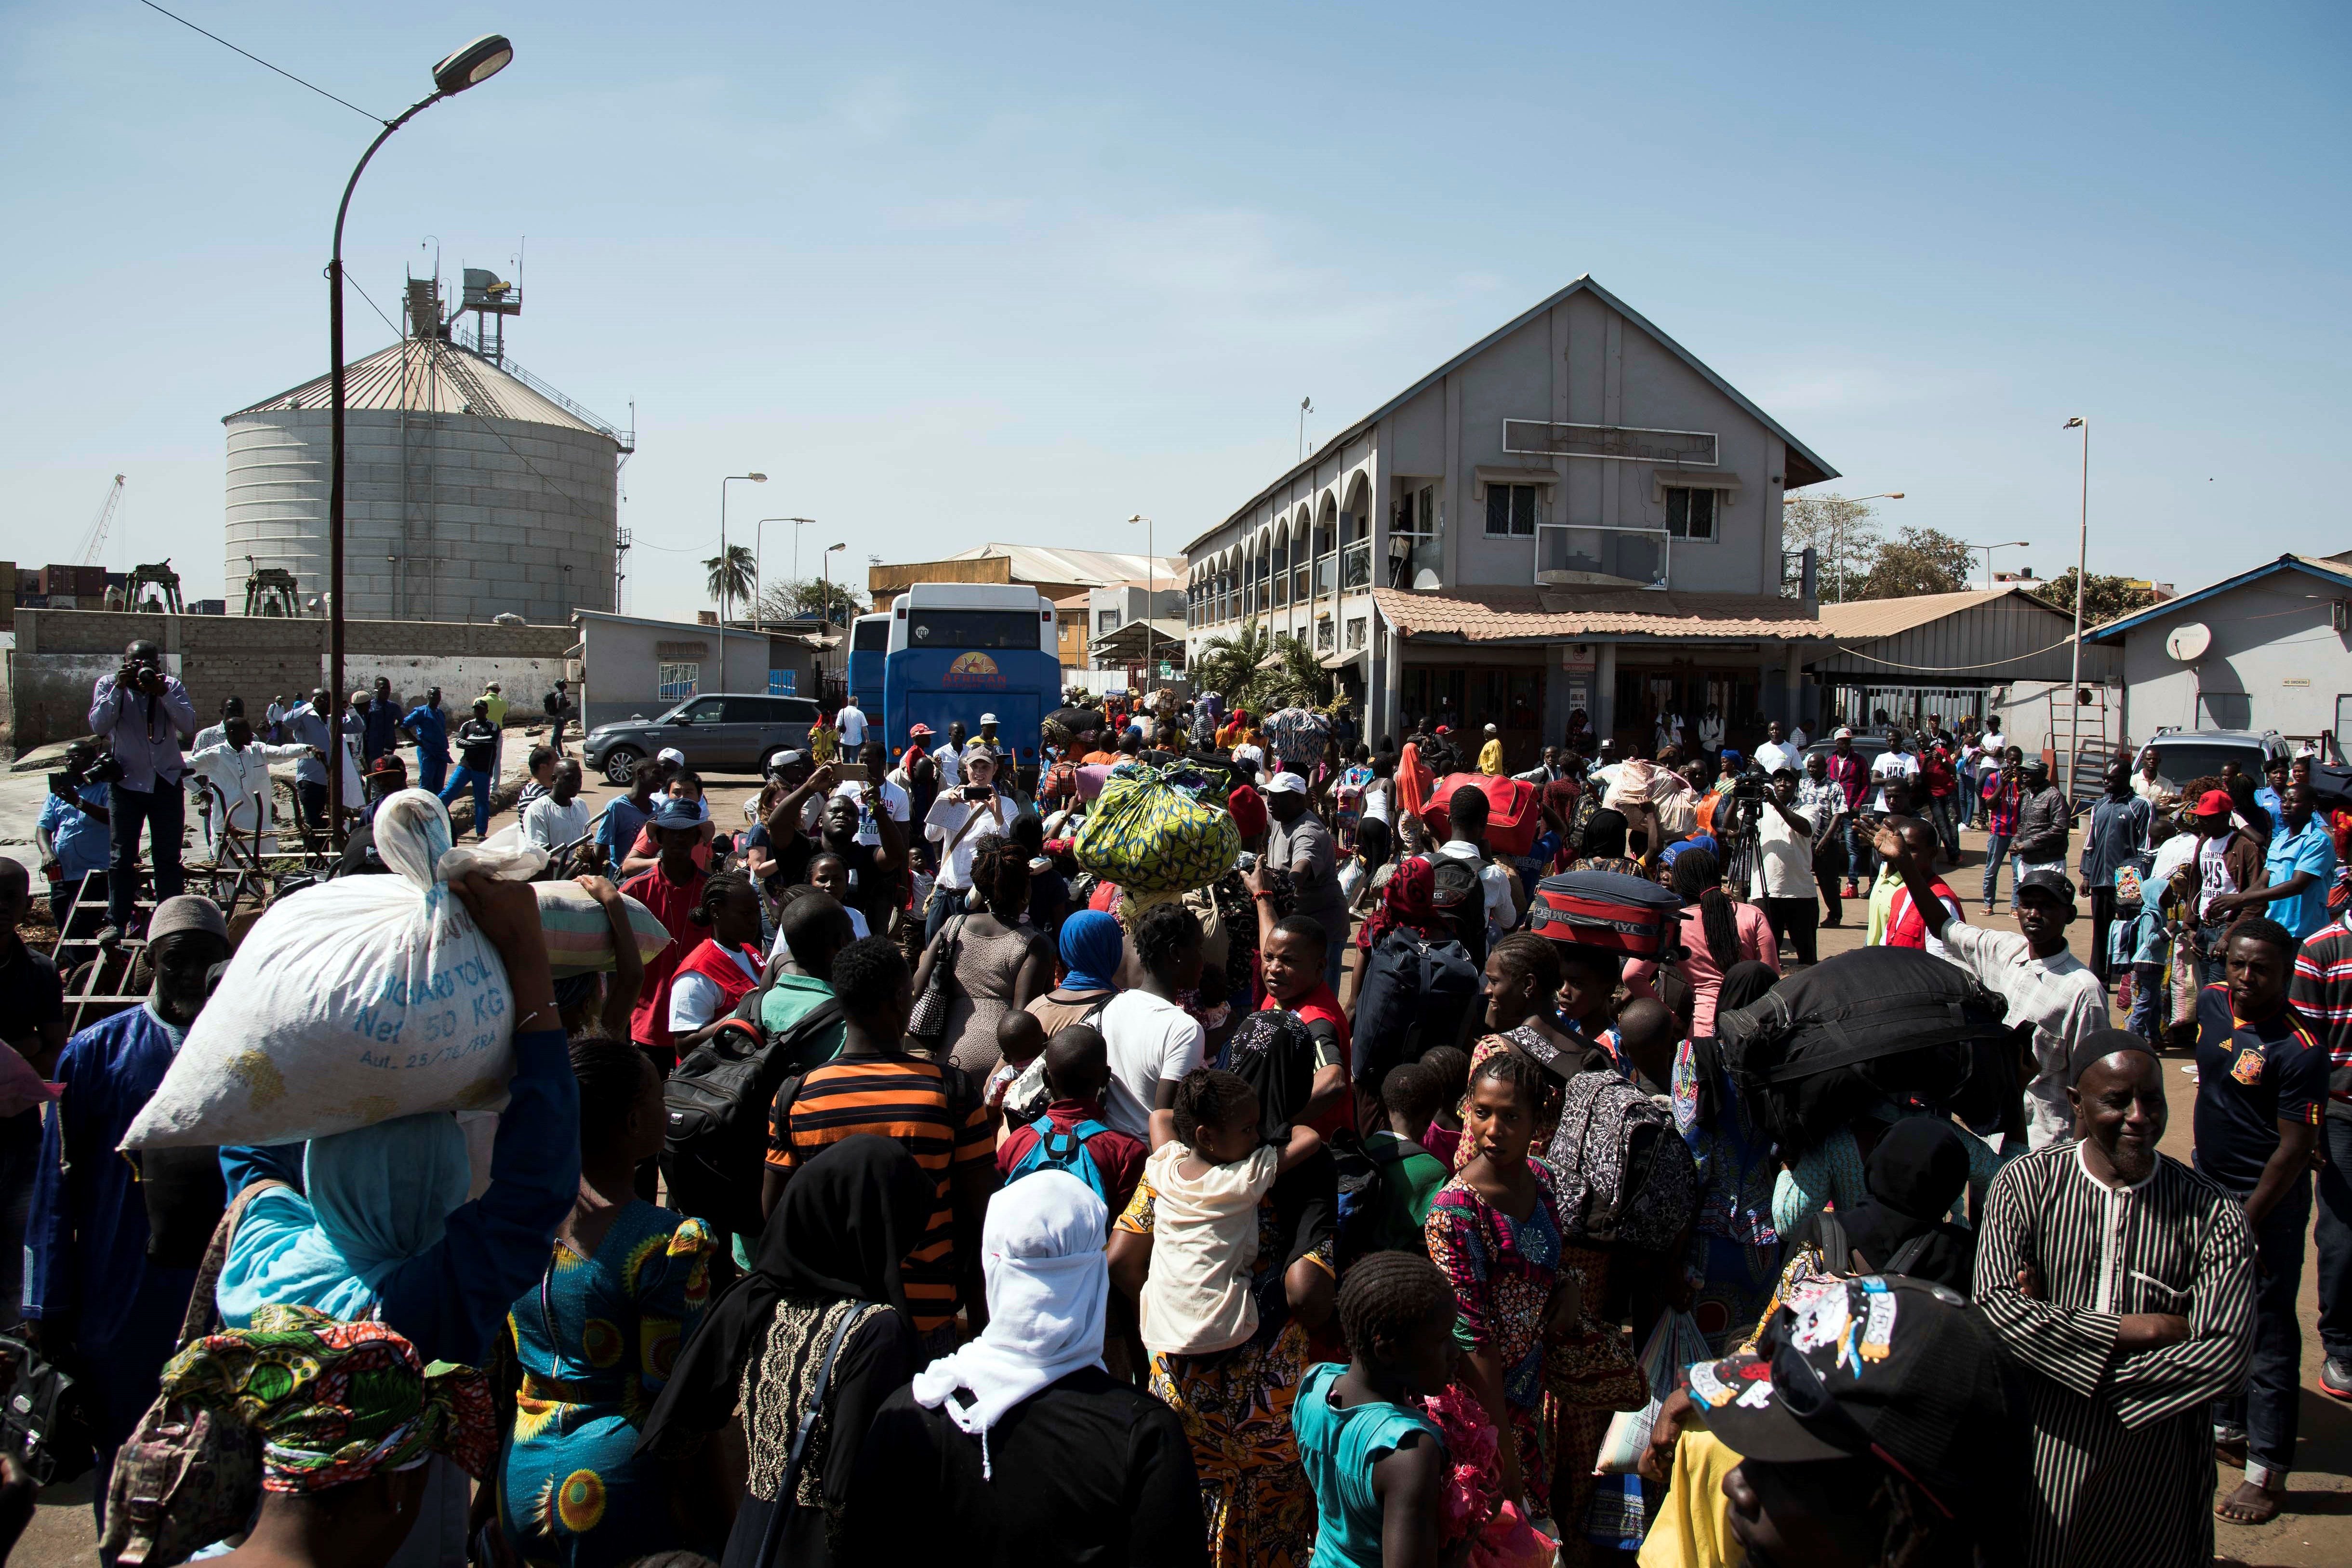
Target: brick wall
60, 653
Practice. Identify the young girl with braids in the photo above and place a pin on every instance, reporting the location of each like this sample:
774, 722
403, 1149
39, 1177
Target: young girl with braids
995, 963
724, 967
1716, 933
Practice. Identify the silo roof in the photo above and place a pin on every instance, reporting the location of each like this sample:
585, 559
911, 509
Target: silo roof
426, 375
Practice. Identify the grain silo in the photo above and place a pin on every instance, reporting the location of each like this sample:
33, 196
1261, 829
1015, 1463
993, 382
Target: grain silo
471, 488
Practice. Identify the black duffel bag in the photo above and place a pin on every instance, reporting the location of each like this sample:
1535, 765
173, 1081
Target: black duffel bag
1879, 1023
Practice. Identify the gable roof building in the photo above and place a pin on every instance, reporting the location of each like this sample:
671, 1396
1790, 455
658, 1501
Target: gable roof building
1573, 513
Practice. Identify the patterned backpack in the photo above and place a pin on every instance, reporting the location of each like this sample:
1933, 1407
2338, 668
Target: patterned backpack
1625, 1173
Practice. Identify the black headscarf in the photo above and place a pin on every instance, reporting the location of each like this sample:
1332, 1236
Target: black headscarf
1916, 1174
847, 1220
1744, 985
1272, 1049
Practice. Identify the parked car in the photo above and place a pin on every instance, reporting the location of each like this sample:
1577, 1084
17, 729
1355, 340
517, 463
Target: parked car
1869, 748
721, 732
2185, 755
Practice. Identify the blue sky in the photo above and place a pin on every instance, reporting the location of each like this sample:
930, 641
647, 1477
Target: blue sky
956, 273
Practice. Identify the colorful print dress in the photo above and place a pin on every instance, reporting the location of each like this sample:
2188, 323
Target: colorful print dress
1236, 1406
1503, 1271
595, 1341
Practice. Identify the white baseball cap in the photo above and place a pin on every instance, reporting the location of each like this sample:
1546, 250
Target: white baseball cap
672, 754
1490, 730
1843, 733
1284, 783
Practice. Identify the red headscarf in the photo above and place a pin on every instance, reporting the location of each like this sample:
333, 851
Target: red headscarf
1414, 780
1408, 899
1248, 808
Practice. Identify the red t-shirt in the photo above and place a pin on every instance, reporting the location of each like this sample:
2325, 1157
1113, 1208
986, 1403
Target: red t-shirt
1905, 927
1120, 1156
671, 903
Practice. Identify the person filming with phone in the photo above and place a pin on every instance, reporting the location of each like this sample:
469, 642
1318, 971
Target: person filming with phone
142, 714
962, 814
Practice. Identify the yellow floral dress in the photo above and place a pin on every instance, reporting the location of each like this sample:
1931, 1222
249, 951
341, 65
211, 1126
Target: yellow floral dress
595, 1340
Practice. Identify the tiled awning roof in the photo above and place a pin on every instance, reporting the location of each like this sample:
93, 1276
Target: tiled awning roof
1531, 614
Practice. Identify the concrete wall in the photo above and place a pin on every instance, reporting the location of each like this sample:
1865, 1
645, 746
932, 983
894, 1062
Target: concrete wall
449, 517
620, 656
2276, 663
61, 654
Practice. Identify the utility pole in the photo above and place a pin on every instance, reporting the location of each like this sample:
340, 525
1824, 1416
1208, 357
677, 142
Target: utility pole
2082, 562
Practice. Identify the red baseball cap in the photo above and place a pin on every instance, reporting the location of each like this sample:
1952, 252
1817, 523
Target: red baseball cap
2215, 803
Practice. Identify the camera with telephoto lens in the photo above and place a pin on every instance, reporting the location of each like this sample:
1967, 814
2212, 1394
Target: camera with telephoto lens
107, 769
1749, 786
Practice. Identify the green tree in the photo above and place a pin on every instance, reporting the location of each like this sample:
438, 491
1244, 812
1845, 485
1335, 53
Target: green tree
1297, 678
789, 599
2103, 599
730, 577
1228, 663
1845, 536
1918, 561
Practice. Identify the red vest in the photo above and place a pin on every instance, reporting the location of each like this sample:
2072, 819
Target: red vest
1905, 927
711, 961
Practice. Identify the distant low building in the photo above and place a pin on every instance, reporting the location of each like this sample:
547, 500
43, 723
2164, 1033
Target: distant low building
1057, 574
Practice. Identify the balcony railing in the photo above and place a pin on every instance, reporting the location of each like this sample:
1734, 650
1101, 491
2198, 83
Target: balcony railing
1356, 566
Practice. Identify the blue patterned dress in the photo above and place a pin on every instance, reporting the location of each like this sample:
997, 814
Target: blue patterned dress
596, 1341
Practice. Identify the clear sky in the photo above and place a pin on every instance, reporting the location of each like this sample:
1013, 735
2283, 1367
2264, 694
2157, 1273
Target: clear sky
954, 273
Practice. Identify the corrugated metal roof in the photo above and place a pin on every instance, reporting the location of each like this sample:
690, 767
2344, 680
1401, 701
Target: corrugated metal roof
1503, 614
1865, 619
424, 375
1097, 568
2326, 568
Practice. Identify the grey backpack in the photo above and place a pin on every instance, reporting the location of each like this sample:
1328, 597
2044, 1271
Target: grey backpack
1625, 1175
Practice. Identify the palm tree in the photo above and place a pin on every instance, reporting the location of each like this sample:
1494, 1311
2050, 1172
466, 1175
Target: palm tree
1227, 664
730, 577
1299, 678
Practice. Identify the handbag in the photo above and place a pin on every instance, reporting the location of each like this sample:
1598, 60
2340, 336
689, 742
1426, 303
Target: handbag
929, 1020
42, 1422
772, 1538
185, 1477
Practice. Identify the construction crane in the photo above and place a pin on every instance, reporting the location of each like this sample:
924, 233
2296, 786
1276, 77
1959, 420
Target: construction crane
97, 541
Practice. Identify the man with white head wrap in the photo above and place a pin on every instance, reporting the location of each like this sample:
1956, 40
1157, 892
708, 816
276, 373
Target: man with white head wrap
1020, 1439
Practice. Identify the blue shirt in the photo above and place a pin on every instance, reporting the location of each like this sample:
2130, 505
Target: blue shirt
2268, 799
2310, 851
86, 1242
431, 730
2250, 1077
617, 833
82, 839
1338, 1449
377, 731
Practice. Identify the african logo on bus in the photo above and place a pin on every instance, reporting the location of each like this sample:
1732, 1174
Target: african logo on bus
973, 668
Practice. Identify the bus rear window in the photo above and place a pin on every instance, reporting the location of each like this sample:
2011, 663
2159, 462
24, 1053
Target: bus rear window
870, 637
1015, 630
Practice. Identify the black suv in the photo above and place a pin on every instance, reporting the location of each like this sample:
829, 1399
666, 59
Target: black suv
719, 734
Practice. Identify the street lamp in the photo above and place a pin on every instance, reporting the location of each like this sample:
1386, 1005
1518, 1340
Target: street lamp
1988, 548
760, 551
724, 576
1837, 538
475, 63
2082, 562
824, 607
1150, 671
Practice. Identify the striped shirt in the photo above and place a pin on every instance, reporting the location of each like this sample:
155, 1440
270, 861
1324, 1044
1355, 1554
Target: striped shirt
2002, 796
2123, 1449
913, 1103
2322, 991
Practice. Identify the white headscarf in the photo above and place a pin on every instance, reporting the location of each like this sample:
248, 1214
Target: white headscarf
1042, 1253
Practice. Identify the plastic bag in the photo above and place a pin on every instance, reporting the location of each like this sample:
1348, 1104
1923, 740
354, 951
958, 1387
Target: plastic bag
1150, 836
351, 1003
1675, 1344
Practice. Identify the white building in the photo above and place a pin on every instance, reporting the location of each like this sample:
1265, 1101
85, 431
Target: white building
1572, 512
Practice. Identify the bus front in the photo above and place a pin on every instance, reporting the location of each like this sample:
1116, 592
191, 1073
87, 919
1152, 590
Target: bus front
960, 651
870, 645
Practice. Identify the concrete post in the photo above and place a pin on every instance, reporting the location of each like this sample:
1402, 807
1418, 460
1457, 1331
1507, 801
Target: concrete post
1604, 692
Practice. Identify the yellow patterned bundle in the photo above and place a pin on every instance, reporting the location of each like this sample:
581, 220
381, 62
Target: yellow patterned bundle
1150, 836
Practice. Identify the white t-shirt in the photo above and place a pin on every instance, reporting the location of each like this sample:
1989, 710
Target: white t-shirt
2213, 872
1796, 737
1774, 756
949, 759
1378, 794
945, 821
1784, 858
894, 801
1892, 765
547, 824
696, 999
1196, 1297
851, 723
1148, 1040
1710, 733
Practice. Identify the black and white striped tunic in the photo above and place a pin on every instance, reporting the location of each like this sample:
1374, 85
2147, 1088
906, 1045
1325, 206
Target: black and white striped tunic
2123, 1447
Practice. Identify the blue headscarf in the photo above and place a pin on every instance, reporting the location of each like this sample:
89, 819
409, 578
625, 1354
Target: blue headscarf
1091, 944
374, 1199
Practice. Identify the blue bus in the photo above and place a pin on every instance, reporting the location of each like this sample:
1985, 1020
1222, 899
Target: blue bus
958, 651
869, 644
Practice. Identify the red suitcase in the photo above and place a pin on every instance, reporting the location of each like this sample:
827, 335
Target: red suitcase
1514, 819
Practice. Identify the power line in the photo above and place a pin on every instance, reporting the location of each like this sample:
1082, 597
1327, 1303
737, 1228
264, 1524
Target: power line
257, 60
372, 305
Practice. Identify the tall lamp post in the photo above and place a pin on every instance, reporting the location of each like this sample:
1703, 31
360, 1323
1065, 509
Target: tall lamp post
824, 609
724, 576
1150, 671
474, 64
1837, 545
760, 552
2082, 560
1988, 548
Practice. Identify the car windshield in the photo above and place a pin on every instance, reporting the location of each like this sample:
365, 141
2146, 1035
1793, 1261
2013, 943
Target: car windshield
2177, 763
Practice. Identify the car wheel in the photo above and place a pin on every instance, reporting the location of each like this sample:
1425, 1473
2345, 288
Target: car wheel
621, 763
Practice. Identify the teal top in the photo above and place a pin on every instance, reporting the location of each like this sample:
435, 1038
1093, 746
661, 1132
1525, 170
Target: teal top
1339, 1448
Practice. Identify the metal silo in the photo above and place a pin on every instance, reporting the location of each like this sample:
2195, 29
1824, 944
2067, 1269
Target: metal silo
472, 489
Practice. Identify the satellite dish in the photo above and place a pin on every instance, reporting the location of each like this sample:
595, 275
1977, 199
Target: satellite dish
2187, 644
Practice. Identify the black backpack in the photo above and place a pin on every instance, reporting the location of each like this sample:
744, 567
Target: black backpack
1892, 1023
717, 1099
1416, 994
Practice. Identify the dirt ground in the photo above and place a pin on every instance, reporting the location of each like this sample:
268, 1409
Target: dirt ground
2315, 1530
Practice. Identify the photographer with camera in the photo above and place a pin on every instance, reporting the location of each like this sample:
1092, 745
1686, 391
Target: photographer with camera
1782, 882
142, 714
72, 834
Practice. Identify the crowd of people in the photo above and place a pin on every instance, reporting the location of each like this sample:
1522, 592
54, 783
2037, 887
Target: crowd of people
1345, 1208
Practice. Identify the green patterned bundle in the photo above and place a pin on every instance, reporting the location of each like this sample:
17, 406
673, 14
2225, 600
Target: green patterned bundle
1149, 835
